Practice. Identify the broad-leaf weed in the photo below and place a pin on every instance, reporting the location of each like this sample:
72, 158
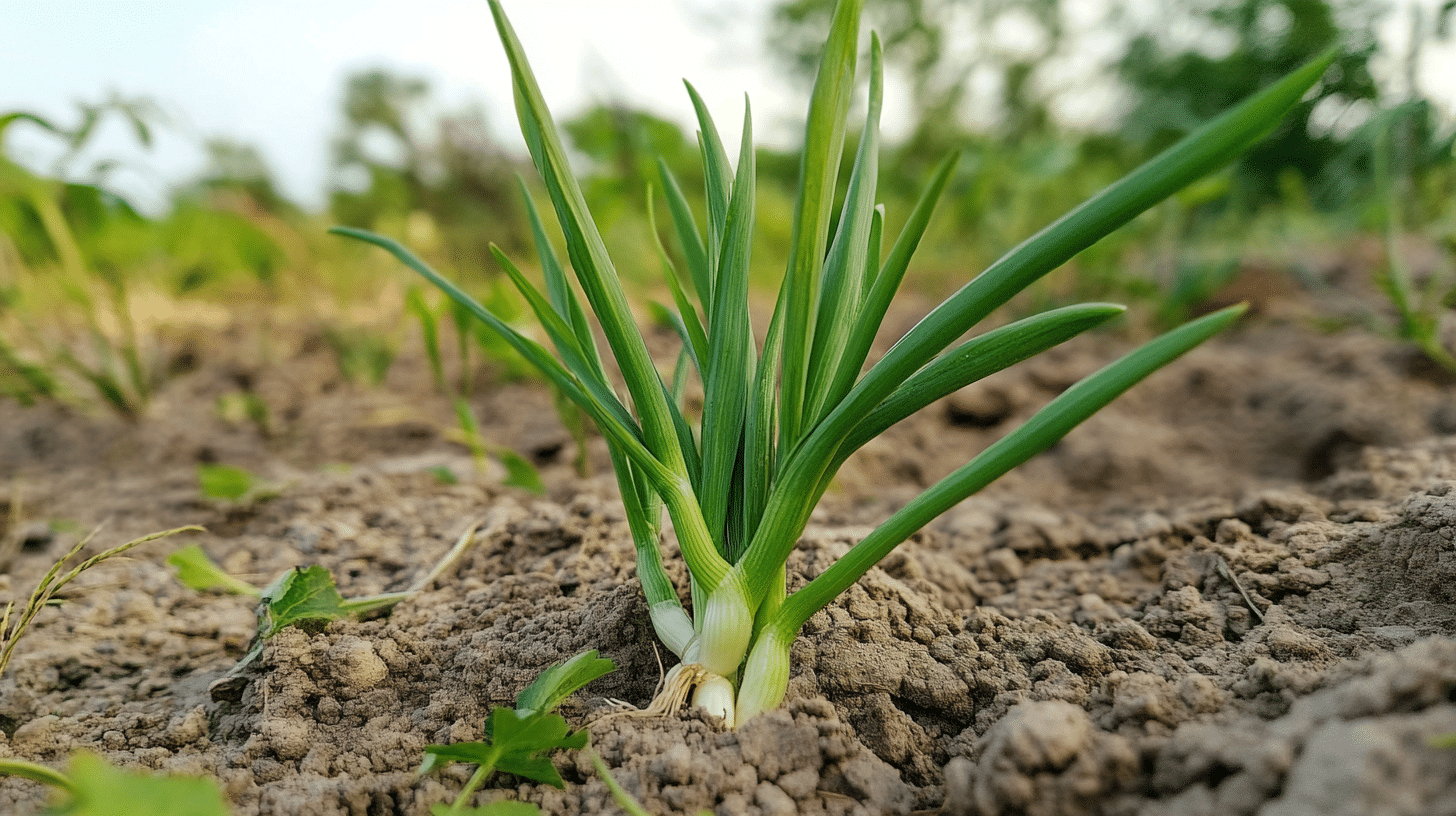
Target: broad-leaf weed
519, 741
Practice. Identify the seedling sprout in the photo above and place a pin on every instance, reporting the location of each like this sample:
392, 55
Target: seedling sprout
519, 741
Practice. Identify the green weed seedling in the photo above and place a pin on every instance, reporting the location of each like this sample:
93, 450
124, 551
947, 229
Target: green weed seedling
95, 788
245, 406
502, 357
364, 355
24, 381
1418, 308
234, 484
306, 597
740, 481
532, 716
444, 475
14, 626
196, 571
519, 741
519, 472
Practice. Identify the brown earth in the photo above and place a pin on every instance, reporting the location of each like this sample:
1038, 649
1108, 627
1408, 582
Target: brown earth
1233, 592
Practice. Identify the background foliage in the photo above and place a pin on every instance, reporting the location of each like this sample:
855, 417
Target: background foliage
82, 272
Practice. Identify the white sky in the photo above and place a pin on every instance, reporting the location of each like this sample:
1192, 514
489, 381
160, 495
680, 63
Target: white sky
269, 72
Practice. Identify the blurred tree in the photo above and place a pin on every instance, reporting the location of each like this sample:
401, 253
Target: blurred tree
396, 156
1180, 82
473, 193
623, 146
384, 113
238, 170
1413, 133
377, 108
1181, 62
946, 50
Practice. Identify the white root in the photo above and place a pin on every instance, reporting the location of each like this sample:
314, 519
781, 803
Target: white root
711, 691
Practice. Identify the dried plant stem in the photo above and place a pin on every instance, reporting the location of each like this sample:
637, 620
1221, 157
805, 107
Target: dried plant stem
11, 542
54, 580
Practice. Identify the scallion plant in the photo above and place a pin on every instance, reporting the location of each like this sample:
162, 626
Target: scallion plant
778, 420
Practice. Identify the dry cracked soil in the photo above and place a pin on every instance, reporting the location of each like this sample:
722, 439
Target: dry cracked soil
1233, 592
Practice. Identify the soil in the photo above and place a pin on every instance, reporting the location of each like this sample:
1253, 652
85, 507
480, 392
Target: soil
1232, 592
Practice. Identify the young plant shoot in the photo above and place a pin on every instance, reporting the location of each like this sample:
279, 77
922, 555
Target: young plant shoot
779, 420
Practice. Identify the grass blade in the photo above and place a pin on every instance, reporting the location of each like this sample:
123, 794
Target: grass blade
415, 302
644, 515
674, 319
877, 234
1204, 150
697, 545
622, 433
30, 380
695, 339
588, 374
470, 431
692, 461
991, 352
759, 432
887, 280
37, 773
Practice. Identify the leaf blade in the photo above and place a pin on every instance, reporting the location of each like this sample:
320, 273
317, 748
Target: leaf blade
819, 165
305, 596
732, 362
197, 571
844, 270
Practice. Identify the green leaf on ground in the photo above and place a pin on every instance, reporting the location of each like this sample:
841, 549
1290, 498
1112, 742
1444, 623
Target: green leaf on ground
103, 790
562, 680
518, 742
196, 571
224, 481
519, 472
305, 597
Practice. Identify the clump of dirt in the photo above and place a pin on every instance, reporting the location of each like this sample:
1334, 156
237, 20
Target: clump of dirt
1230, 593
